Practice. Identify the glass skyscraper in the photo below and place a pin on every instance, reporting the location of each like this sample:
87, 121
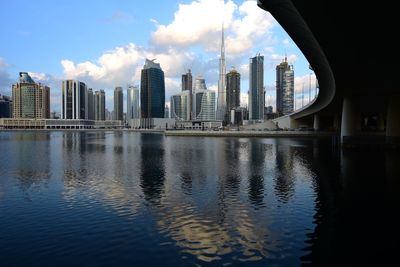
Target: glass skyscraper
180, 106
100, 105
74, 100
152, 90
256, 88
132, 107
118, 104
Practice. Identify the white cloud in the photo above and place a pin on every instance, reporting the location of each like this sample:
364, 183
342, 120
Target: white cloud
199, 23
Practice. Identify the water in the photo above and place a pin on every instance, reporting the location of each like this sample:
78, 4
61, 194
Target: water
132, 199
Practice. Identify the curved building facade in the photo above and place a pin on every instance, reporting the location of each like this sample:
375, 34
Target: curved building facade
205, 105
180, 106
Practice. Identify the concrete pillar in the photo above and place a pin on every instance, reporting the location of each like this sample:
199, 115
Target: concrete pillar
350, 120
316, 122
393, 120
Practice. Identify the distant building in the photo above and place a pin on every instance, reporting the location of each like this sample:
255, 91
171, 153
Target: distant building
232, 90
74, 100
166, 112
187, 85
152, 90
132, 107
118, 104
30, 99
90, 106
5, 106
180, 106
100, 105
256, 88
284, 88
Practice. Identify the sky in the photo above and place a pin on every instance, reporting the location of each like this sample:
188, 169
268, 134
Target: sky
105, 43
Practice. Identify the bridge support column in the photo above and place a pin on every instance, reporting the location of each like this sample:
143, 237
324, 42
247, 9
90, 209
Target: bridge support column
336, 122
393, 120
350, 120
316, 122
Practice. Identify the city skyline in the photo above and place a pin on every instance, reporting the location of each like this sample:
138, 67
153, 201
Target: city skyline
177, 38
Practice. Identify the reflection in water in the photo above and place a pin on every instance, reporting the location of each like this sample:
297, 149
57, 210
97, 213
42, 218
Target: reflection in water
284, 180
256, 179
152, 167
94, 196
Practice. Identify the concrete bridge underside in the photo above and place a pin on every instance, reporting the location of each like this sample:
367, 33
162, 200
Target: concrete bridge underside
352, 48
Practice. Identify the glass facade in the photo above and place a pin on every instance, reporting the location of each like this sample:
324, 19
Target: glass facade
205, 105
133, 108
152, 91
180, 106
256, 88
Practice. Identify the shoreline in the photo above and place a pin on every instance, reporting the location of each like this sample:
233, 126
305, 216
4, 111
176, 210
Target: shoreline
189, 133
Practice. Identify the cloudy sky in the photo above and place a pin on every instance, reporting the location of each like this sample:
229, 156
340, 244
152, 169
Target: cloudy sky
104, 43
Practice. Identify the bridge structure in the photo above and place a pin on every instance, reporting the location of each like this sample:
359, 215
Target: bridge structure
353, 50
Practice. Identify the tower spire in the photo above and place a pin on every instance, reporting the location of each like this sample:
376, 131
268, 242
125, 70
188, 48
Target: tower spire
221, 104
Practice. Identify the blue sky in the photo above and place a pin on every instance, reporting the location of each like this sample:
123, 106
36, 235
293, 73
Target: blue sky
104, 43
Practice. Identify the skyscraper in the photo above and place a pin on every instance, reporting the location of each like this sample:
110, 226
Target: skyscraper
256, 88
74, 100
90, 106
221, 107
100, 105
118, 104
180, 106
5, 106
30, 99
232, 90
152, 90
133, 108
205, 105
187, 85
288, 91
203, 102
284, 88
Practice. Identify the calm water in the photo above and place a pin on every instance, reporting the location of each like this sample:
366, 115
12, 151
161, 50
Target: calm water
131, 199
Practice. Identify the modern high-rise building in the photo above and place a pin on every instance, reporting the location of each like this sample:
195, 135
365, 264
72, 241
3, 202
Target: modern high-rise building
5, 106
118, 104
232, 90
199, 83
100, 105
74, 100
132, 107
180, 106
187, 85
205, 105
221, 106
90, 106
256, 88
288, 91
152, 90
284, 88
166, 112
30, 99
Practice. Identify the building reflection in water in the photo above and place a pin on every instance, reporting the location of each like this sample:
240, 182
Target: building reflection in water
257, 171
152, 172
284, 180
